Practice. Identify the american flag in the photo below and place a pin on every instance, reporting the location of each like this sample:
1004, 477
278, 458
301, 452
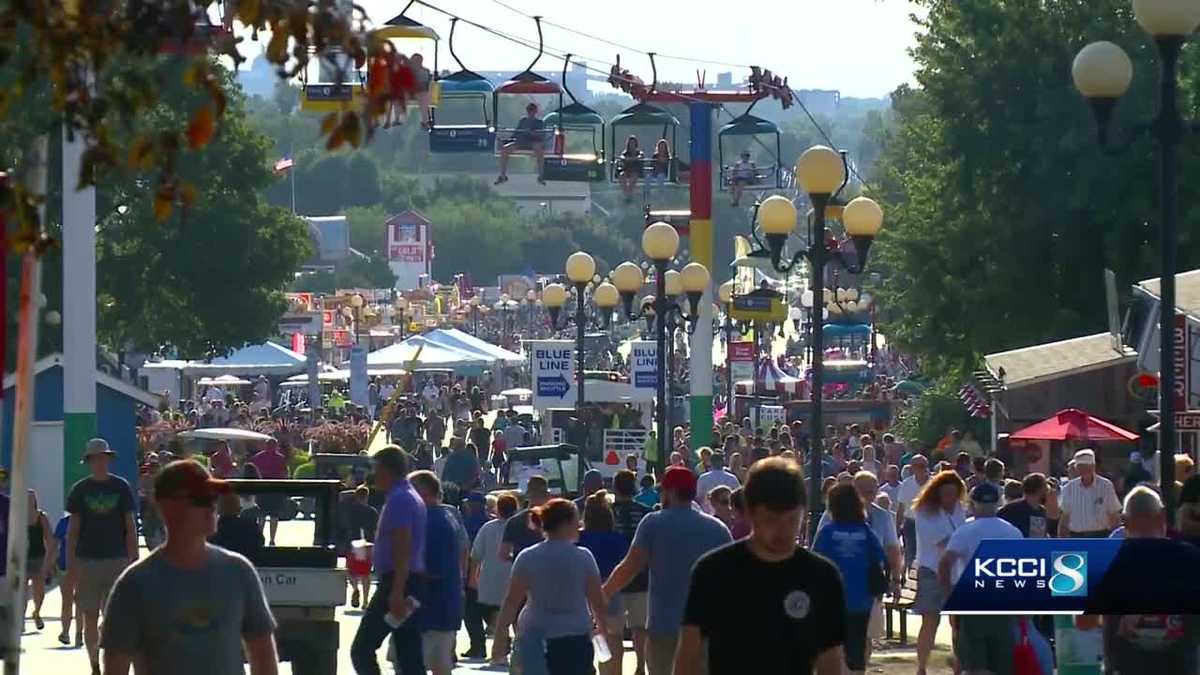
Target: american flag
284, 164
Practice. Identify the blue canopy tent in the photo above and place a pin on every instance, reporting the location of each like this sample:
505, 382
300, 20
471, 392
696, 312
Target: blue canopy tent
838, 330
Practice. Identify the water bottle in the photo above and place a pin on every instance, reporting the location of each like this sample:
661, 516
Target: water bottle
600, 646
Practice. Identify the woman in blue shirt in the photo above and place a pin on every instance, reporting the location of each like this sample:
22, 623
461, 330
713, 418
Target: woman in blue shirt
851, 545
608, 547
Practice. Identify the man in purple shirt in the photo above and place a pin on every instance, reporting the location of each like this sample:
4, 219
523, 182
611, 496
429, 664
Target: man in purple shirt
399, 561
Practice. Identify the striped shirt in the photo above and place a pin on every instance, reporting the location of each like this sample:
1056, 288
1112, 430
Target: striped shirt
1089, 507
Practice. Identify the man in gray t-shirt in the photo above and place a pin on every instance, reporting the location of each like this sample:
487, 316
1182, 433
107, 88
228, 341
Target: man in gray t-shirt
188, 607
669, 542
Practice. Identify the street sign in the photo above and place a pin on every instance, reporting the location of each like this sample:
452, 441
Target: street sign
762, 304
553, 372
1187, 421
741, 360
643, 364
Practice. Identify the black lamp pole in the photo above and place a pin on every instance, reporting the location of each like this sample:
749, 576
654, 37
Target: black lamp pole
728, 327
816, 433
580, 325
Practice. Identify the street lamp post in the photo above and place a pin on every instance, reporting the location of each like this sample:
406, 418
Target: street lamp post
356, 303
580, 269
473, 303
821, 173
1102, 72
725, 295
530, 301
660, 243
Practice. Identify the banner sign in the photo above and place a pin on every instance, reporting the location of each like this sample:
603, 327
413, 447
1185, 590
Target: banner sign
1181, 360
358, 375
1072, 576
643, 364
741, 360
767, 415
553, 373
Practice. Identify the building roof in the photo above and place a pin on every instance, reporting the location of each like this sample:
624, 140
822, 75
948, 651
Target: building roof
408, 216
1039, 363
102, 378
1187, 291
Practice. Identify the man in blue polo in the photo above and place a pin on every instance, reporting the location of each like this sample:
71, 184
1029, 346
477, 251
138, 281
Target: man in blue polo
528, 136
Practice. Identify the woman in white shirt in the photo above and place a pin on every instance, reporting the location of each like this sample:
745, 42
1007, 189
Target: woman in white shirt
938, 511
489, 574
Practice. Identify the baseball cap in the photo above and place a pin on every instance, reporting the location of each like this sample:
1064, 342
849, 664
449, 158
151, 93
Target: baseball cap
1085, 457
188, 478
94, 448
679, 478
985, 493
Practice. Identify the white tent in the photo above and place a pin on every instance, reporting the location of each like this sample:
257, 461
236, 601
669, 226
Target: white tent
457, 339
419, 352
222, 381
264, 359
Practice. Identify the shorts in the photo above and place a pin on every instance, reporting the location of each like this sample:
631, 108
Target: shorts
930, 597
855, 646
358, 568
34, 567
271, 504
438, 648
96, 579
636, 609
985, 643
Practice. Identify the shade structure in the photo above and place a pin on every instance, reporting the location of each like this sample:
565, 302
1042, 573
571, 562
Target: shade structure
773, 380
1073, 424
420, 352
465, 342
267, 358
222, 381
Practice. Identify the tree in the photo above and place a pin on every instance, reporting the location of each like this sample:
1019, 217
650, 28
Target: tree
1001, 209
210, 279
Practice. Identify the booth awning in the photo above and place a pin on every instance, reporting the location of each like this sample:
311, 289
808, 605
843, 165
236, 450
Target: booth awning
1073, 424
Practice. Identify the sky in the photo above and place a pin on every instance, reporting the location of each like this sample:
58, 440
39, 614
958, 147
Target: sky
858, 47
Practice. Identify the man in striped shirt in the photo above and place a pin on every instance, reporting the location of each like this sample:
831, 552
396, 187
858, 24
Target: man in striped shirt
1088, 504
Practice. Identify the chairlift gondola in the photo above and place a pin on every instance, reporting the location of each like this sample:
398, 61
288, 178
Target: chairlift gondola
575, 119
648, 162
524, 84
345, 86
737, 138
473, 91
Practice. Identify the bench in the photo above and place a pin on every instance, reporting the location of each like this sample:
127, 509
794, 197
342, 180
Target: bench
900, 604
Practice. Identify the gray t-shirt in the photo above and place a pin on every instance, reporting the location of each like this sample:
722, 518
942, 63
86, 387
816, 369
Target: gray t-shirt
557, 573
675, 538
187, 621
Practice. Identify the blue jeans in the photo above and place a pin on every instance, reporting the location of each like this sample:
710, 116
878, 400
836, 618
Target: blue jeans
373, 630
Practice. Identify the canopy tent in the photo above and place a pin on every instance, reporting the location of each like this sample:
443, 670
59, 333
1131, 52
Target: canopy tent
772, 379
329, 375
457, 339
420, 352
222, 381
836, 330
1073, 424
267, 358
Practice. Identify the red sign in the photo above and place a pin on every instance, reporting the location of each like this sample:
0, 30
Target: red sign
342, 338
327, 319
1180, 357
741, 351
412, 253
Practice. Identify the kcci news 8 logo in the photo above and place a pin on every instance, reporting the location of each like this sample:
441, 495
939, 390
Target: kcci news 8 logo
1069, 576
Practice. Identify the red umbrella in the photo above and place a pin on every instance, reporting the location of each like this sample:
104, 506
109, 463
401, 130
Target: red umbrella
1073, 424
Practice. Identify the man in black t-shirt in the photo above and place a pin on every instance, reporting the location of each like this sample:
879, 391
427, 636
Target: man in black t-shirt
519, 533
101, 539
1029, 514
627, 514
788, 603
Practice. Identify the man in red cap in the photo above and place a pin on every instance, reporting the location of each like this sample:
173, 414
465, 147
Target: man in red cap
189, 607
668, 542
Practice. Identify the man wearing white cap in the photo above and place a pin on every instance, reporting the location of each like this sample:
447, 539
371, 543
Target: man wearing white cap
1089, 504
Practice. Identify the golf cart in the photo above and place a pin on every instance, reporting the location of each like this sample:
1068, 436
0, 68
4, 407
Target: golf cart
304, 583
562, 465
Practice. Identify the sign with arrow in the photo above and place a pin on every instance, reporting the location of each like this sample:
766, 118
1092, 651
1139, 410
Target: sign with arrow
552, 369
643, 364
